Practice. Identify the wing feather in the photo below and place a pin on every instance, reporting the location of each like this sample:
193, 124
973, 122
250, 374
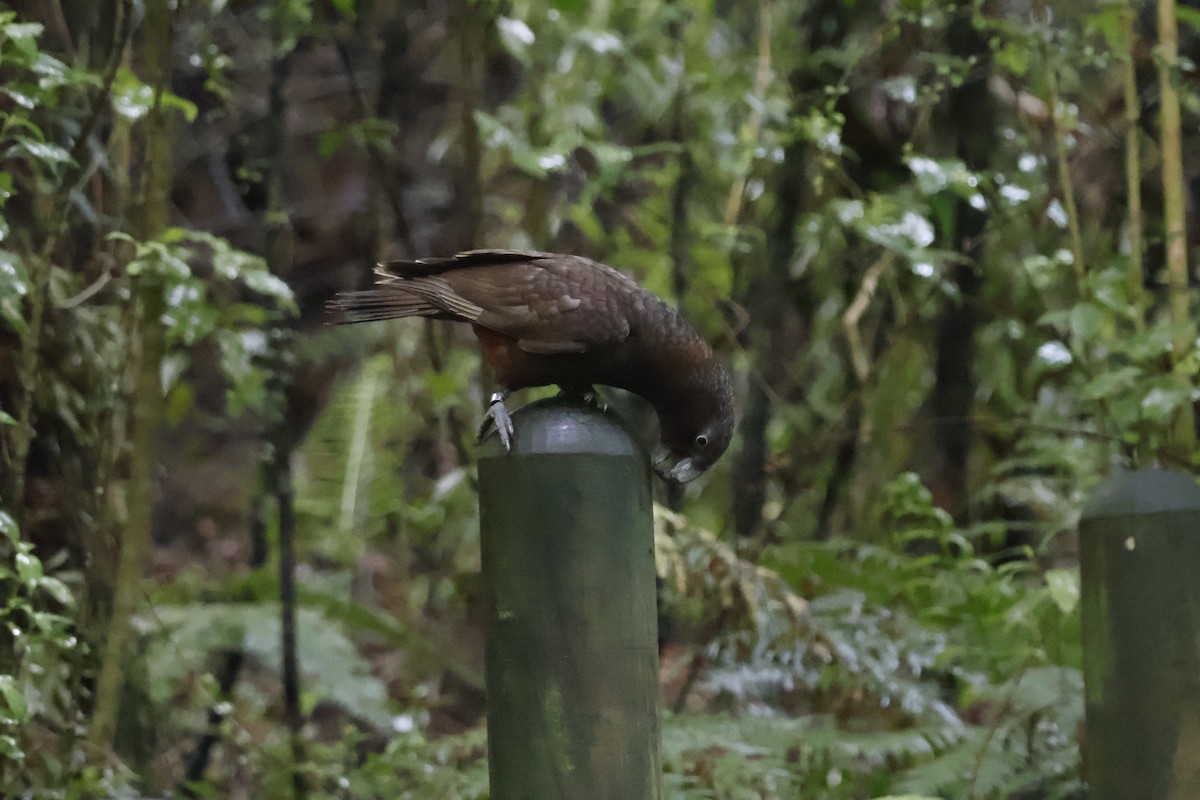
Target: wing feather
549, 303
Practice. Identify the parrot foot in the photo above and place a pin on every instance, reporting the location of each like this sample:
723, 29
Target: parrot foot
497, 414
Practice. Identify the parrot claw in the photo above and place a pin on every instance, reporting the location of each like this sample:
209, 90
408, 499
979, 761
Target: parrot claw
587, 394
595, 400
497, 413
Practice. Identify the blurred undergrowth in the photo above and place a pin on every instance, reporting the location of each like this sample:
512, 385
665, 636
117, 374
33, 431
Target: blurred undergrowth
904, 225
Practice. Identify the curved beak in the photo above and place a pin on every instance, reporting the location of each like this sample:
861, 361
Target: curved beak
684, 470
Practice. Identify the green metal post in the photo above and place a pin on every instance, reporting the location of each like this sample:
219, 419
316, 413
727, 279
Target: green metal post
1140, 556
567, 540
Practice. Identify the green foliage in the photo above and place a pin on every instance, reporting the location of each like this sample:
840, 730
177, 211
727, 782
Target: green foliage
916, 667
892, 629
14, 284
33, 82
997, 613
443, 768
133, 99
352, 494
199, 307
69, 345
188, 635
39, 647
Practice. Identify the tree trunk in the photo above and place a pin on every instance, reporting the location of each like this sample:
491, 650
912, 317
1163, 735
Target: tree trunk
1175, 208
151, 216
953, 396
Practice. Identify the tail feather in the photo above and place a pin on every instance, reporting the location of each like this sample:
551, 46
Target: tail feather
422, 288
377, 304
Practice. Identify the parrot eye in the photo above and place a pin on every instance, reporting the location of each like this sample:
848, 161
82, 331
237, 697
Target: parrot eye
702, 440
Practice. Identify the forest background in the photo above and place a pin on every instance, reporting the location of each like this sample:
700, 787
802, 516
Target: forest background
942, 246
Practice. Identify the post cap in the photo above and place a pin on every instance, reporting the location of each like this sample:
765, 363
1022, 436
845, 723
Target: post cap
1147, 491
562, 425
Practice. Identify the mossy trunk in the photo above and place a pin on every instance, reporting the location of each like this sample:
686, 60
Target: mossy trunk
151, 216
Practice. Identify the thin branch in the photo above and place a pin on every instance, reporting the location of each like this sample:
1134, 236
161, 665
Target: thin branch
88, 293
60, 22
198, 762
470, 44
80, 170
854, 312
1175, 209
359, 437
753, 130
285, 497
279, 251
450, 418
1066, 187
1133, 168
680, 227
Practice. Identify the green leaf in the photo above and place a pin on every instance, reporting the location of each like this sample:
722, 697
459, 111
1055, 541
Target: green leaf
537, 163
599, 41
22, 95
375, 132
56, 589
1063, 586
180, 400
53, 73
29, 568
1109, 21
1160, 403
1188, 16
1058, 689
263, 282
290, 19
1109, 383
345, 8
8, 527
1087, 322
18, 31
160, 260
13, 698
822, 130
516, 37
131, 98
50, 155
14, 285
649, 91
934, 175
329, 142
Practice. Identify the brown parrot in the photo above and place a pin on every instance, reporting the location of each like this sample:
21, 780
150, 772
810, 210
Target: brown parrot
547, 318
